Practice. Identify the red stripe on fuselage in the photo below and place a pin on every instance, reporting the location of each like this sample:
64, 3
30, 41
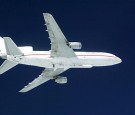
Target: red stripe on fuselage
76, 54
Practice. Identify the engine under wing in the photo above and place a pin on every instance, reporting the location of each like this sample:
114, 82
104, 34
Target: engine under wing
46, 75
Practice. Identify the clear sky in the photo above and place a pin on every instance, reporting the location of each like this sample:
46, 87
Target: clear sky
107, 26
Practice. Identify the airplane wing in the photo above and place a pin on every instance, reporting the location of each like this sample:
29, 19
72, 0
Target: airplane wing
59, 48
46, 75
59, 44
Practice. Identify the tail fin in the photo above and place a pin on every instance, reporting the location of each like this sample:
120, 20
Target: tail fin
6, 66
11, 47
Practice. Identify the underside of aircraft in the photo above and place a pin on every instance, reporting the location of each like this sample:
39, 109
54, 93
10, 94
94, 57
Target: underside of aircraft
60, 58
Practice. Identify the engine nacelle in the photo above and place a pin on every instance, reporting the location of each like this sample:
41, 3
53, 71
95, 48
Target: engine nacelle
26, 49
61, 80
75, 45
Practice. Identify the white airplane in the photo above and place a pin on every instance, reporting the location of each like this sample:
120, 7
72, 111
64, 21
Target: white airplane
60, 58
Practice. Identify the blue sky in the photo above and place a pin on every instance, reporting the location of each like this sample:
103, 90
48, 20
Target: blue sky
107, 26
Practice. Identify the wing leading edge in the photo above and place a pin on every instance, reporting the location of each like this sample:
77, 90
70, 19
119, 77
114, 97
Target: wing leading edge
45, 76
59, 43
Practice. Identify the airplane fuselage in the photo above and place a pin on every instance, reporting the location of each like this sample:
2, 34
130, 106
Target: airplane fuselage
60, 58
83, 59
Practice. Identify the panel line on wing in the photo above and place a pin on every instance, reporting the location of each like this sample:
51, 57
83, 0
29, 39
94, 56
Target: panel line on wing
59, 43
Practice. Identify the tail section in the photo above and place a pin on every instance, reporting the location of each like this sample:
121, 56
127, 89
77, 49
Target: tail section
10, 48
6, 66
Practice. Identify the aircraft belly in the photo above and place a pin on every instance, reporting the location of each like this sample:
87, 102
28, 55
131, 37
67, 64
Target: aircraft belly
37, 61
96, 61
62, 62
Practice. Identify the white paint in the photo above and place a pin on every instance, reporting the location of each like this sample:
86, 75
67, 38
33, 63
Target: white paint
43, 59
59, 59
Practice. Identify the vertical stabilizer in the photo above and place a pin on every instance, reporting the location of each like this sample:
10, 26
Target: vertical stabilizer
11, 47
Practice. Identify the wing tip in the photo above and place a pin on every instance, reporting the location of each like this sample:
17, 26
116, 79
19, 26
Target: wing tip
47, 14
22, 91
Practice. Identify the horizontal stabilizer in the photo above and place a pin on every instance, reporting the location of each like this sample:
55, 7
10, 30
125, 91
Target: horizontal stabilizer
11, 47
6, 66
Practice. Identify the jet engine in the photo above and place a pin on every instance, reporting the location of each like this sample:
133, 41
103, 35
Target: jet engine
61, 80
26, 49
75, 45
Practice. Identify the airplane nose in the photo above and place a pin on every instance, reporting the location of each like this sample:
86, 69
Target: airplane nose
118, 60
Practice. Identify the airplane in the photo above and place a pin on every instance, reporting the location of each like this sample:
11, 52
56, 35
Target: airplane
60, 58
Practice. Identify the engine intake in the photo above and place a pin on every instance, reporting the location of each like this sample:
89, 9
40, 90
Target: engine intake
75, 45
61, 80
